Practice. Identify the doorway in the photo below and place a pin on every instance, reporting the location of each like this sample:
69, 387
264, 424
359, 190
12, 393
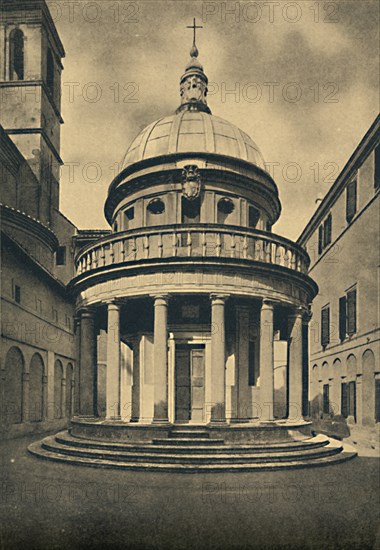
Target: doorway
189, 383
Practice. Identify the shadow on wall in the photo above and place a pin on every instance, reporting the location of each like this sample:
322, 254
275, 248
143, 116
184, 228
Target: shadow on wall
334, 425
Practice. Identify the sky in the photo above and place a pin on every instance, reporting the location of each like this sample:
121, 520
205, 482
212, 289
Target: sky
301, 78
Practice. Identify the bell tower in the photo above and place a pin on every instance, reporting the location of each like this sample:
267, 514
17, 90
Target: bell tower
30, 93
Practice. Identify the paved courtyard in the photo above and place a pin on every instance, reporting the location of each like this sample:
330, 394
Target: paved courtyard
48, 505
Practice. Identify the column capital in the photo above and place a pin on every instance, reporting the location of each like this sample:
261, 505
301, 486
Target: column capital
221, 298
160, 299
113, 304
87, 312
297, 312
267, 304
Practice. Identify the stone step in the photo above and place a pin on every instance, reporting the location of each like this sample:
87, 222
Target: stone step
38, 450
316, 442
203, 434
188, 441
51, 445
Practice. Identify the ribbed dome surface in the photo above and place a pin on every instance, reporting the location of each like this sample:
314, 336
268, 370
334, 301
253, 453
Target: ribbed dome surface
193, 132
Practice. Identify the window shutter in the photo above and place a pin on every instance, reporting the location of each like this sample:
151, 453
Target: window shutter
326, 399
320, 239
351, 312
329, 227
351, 200
352, 399
342, 318
377, 167
344, 403
325, 326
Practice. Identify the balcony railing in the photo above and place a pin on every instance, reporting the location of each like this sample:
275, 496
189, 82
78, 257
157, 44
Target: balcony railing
178, 241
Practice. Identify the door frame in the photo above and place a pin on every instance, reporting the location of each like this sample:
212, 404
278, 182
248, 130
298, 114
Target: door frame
187, 338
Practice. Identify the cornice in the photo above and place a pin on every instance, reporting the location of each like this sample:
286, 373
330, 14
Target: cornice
32, 226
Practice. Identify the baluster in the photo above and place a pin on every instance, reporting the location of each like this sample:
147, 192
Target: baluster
174, 244
277, 254
88, 261
268, 252
112, 253
102, 255
294, 260
94, 259
160, 245
146, 246
218, 245
134, 248
78, 267
245, 247
122, 250
258, 249
204, 244
189, 242
233, 245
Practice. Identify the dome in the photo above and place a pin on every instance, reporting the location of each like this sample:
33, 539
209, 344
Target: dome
193, 132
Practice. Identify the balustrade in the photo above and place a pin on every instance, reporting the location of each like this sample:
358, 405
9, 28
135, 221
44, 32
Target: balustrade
192, 242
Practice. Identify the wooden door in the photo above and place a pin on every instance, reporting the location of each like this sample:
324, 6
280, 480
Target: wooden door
182, 385
197, 367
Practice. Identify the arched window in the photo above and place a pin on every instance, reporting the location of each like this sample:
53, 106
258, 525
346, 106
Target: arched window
50, 71
16, 55
36, 388
14, 367
58, 375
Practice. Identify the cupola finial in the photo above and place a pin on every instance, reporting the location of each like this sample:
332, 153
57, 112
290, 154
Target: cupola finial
193, 85
194, 50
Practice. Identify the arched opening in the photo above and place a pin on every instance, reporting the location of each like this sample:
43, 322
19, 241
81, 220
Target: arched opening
14, 367
326, 388
50, 71
36, 388
370, 389
69, 389
16, 55
349, 389
58, 375
336, 404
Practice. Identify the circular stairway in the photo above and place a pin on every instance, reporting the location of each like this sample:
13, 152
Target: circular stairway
190, 449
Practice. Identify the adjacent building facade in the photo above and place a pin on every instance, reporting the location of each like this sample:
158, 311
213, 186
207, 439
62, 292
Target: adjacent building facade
342, 239
37, 342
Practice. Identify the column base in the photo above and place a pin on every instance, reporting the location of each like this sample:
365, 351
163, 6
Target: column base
162, 421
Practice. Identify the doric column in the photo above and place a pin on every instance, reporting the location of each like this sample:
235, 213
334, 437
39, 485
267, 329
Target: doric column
218, 359
88, 364
25, 396
160, 358
266, 361
76, 391
305, 362
295, 364
113, 362
136, 381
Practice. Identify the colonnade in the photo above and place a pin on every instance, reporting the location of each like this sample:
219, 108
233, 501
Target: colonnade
88, 361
